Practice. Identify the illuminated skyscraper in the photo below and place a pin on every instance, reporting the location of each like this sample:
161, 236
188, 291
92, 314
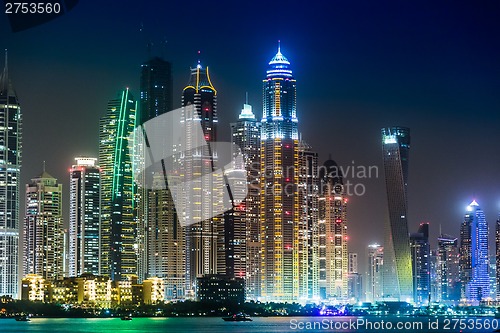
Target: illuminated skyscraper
43, 228
118, 223
84, 217
333, 234
243, 245
280, 212
10, 168
155, 100
374, 276
420, 255
166, 241
398, 284
474, 260
448, 279
497, 256
205, 250
308, 222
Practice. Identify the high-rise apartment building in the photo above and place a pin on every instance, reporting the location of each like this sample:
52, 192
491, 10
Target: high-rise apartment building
420, 255
43, 228
308, 222
374, 275
245, 134
205, 248
448, 278
10, 169
497, 256
333, 252
84, 217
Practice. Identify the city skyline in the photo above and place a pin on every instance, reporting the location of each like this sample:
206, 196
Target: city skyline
438, 176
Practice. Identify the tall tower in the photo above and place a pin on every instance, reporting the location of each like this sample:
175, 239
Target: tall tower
374, 288
279, 213
420, 255
244, 246
43, 228
474, 260
332, 224
118, 223
10, 168
166, 241
155, 100
84, 216
448, 284
308, 225
497, 255
398, 284
204, 240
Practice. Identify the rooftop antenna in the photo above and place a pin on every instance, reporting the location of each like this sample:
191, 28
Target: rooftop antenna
199, 61
43, 166
279, 46
440, 232
330, 156
246, 97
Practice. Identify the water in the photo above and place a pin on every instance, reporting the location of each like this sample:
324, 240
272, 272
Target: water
211, 324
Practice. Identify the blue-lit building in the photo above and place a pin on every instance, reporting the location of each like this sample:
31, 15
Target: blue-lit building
420, 255
474, 260
279, 211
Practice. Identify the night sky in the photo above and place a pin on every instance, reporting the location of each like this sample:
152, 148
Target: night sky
433, 66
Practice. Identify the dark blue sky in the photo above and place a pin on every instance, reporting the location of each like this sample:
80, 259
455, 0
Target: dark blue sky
433, 66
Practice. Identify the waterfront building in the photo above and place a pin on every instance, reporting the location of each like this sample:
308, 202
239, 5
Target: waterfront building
448, 278
374, 275
420, 255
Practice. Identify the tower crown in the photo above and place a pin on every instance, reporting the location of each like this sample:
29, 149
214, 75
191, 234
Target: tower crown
279, 66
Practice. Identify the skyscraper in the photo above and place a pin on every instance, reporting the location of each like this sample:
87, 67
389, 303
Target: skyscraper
118, 223
279, 210
84, 217
308, 222
245, 134
374, 276
474, 260
355, 281
43, 228
497, 256
420, 255
205, 250
448, 284
10, 168
155, 100
166, 241
333, 234
398, 284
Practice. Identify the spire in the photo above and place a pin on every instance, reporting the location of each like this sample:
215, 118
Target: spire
279, 47
4, 79
199, 60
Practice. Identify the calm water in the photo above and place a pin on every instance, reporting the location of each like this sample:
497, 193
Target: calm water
261, 325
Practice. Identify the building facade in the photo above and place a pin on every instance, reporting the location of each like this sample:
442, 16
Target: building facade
333, 250
118, 220
205, 248
84, 217
448, 278
308, 222
420, 255
10, 169
155, 99
279, 178
374, 275
474, 260
398, 283
43, 228
245, 244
